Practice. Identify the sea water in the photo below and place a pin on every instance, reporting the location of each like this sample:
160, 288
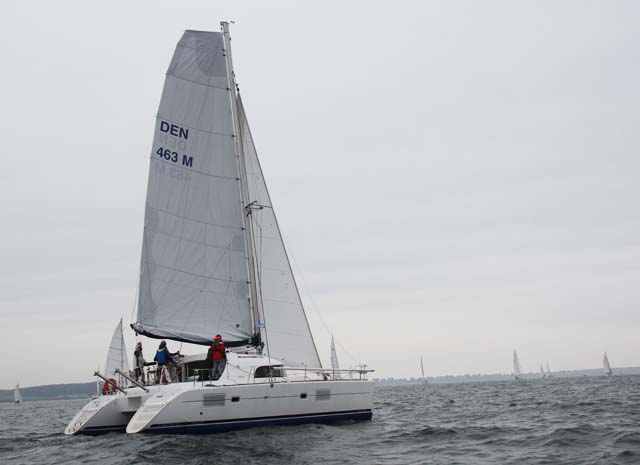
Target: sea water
553, 421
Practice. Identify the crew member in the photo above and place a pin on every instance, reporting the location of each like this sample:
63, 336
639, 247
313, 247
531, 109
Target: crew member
216, 357
165, 361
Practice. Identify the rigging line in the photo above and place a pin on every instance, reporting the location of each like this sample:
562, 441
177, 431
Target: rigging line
316, 308
135, 299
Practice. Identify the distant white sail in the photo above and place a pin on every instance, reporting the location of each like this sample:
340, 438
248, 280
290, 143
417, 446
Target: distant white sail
516, 365
117, 356
17, 396
548, 371
334, 360
606, 365
542, 371
424, 380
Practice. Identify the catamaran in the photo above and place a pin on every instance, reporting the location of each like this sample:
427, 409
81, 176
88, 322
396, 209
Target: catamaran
214, 262
606, 365
17, 395
516, 365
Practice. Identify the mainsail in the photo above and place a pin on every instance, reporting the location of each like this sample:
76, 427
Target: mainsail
17, 396
117, 356
606, 365
424, 380
194, 280
516, 365
542, 371
548, 371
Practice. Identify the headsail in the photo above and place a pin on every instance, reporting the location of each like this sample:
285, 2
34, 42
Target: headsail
17, 395
194, 280
516, 365
288, 334
606, 365
117, 356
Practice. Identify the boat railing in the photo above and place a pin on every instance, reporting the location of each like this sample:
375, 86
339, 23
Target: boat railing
333, 374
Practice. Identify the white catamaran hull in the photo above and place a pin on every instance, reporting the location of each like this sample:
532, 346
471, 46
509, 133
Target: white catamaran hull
185, 408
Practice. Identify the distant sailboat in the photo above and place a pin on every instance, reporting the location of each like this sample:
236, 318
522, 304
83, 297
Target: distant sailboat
542, 372
117, 356
517, 372
606, 365
424, 380
334, 360
17, 396
548, 371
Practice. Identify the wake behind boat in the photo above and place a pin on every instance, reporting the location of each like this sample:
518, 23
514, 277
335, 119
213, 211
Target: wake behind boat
214, 262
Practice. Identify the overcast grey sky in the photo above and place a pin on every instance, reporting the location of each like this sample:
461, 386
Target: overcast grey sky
453, 179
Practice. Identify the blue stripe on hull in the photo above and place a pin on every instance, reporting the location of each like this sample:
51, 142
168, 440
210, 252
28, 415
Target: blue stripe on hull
220, 426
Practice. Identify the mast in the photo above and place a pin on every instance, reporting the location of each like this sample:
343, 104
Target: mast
242, 170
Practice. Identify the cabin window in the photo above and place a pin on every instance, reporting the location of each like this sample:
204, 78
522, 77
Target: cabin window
303, 395
213, 400
323, 394
270, 372
235, 399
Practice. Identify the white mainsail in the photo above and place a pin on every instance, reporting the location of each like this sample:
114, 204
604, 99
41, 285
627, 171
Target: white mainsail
287, 329
606, 365
17, 395
334, 360
194, 280
516, 365
548, 371
117, 356
424, 380
542, 371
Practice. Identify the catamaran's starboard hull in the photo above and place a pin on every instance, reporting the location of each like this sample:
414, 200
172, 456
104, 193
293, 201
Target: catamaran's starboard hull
220, 426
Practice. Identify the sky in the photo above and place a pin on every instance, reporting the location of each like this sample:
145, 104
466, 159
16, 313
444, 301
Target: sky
453, 180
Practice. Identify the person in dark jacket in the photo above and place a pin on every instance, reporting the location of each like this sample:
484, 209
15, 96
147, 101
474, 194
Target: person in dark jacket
217, 357
165, 360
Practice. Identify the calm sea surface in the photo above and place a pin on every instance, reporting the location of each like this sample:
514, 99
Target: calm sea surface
557, 421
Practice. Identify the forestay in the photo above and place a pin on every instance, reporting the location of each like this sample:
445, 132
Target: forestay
194, 275
288, 335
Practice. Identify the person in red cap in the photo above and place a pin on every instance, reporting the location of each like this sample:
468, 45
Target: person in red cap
216, 357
